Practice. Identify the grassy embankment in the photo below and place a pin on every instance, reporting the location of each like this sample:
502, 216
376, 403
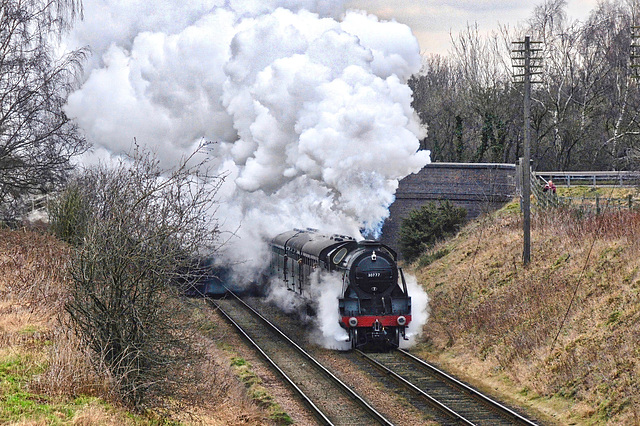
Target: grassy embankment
45, 376
560, 335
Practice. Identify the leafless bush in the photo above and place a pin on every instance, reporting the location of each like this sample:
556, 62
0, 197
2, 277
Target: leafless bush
611, 223
144, 228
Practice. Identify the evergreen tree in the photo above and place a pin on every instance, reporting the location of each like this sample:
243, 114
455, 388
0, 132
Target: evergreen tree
425, 226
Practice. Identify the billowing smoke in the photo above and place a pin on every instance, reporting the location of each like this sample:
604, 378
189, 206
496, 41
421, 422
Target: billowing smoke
307, 104
326, 289
419, 311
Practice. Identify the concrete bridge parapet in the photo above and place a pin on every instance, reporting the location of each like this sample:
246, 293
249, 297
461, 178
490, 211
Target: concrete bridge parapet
478, 187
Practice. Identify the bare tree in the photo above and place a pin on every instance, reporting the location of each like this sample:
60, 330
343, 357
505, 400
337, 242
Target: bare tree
144, 229
585, 112
435, 92
608, 28
467, 101
37, 139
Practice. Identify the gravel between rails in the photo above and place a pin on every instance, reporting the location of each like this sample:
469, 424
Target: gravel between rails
281, 392
375, 388
396, 408
469, 403
328, 395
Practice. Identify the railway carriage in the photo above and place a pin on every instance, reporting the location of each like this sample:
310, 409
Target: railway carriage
374, 305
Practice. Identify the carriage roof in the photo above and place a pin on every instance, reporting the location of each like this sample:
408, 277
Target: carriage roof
310, 241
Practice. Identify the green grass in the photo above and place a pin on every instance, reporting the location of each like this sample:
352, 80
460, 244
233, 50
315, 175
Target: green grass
17, 403
430, 257
590, 192
259, 393
512, 206
30, 329
17, 369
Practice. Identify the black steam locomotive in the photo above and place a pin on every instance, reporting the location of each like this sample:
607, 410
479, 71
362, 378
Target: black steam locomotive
374, 306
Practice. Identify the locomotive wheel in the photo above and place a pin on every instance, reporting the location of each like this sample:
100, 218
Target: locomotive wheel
396, 337
353, 333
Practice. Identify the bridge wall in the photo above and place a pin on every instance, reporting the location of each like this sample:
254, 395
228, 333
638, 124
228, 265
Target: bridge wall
478, 187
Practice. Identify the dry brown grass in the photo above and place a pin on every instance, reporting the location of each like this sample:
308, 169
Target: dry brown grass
562, 332
33, 330
31, 287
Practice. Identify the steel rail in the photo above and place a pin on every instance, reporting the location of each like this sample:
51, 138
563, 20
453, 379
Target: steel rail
482, 397
431, 400
346, 389
307, 401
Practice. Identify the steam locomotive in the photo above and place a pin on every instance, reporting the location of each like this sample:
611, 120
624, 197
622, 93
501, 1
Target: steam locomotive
374, 305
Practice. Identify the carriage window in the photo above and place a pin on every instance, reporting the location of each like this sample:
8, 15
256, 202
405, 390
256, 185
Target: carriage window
339, 255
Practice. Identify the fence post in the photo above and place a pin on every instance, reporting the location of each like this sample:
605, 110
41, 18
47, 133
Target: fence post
630, 201
519, 177
597, 204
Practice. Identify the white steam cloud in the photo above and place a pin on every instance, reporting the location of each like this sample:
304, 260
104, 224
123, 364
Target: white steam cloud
419, 311
324, 289
308, 104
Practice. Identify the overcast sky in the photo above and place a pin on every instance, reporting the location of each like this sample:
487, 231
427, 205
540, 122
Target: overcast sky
432, 21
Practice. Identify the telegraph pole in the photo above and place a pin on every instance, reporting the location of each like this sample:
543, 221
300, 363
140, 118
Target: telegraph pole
522, 62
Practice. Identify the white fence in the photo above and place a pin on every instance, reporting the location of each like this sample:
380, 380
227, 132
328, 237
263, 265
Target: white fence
591, 178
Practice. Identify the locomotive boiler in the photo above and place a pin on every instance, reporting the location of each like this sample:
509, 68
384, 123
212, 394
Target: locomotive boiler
374, 305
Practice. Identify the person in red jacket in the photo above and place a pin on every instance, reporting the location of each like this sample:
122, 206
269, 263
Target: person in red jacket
549, 187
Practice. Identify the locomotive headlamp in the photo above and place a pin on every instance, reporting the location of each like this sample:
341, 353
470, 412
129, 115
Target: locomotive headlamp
353, 321
402, 320
373, 256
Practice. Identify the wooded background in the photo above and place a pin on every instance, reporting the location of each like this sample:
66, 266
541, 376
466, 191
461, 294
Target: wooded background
585, 106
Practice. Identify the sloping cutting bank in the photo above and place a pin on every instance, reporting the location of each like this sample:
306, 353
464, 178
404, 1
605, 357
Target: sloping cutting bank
558, 336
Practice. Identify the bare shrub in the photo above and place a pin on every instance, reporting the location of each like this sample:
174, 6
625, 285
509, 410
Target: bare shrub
144, 228
611, 223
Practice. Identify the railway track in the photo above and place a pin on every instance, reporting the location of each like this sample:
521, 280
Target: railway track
456, 402
329, 399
